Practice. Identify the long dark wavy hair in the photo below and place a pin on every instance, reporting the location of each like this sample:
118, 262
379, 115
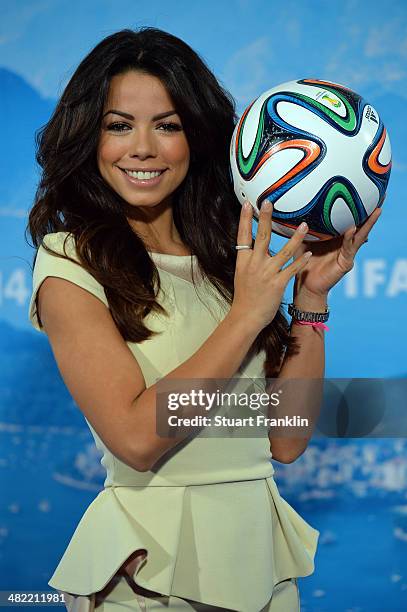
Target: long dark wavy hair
73, 197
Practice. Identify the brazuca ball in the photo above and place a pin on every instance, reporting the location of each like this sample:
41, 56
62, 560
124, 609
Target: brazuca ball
318, 151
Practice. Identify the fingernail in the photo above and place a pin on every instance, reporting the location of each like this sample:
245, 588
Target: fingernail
303, 227
246, 205
266, 205
307, 255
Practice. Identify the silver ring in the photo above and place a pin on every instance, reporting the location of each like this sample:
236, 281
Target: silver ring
238, 247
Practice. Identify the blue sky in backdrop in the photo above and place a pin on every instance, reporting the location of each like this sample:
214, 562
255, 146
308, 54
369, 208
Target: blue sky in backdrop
250, 44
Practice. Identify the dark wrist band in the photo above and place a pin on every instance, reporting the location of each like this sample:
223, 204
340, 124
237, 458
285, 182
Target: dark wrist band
309, 317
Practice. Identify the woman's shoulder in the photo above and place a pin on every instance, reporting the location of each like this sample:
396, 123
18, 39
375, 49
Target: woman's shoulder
58, 253
61, 242
59, 247
57, 257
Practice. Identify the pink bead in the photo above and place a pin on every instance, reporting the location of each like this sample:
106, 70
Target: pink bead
320, 325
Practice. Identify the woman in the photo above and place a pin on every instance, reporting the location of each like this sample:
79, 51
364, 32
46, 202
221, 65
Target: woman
136, 280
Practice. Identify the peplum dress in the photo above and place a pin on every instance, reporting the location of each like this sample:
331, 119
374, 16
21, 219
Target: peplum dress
209, 515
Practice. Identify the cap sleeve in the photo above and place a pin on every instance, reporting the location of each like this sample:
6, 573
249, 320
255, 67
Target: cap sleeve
47, 264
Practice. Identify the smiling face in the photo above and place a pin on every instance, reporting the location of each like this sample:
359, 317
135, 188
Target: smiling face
143, 153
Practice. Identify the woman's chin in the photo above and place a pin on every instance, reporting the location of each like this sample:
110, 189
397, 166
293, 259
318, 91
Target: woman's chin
143, 202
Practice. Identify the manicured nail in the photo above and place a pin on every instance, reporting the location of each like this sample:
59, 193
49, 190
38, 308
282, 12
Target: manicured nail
307, 255
303, 227
246, 206
266, 205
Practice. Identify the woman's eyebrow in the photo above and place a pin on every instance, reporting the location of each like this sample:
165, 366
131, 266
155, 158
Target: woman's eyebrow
128, 116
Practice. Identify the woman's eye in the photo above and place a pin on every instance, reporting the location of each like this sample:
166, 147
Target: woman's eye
118, 127
171, 127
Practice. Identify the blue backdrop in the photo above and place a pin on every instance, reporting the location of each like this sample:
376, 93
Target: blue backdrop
353, 491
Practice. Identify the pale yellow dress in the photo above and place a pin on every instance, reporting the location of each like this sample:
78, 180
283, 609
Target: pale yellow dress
210, 516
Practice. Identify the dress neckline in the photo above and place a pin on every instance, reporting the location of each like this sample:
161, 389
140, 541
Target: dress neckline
182, 266
170, 256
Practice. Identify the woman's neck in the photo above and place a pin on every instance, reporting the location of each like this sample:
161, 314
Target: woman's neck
156, 228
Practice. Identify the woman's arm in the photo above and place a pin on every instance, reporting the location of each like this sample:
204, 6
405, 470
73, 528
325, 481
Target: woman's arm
308, 363
331, 260
105, 379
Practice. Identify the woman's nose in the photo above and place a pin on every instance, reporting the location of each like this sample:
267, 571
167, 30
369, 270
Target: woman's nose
142, 143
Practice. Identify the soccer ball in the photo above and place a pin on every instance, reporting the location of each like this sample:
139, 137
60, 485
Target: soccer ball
318, 151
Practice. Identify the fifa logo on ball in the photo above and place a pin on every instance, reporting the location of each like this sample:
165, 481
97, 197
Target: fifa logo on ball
334, 102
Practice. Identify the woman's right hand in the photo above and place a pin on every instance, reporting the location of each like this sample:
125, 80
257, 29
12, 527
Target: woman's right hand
260, 281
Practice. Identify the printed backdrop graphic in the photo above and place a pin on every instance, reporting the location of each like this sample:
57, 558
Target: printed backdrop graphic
352, 490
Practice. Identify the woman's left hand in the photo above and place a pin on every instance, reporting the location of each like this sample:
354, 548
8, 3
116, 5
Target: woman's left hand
331, 259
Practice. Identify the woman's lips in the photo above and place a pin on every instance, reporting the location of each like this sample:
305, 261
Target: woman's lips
144, 182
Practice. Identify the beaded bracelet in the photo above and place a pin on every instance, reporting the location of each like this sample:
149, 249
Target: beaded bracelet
315, 319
